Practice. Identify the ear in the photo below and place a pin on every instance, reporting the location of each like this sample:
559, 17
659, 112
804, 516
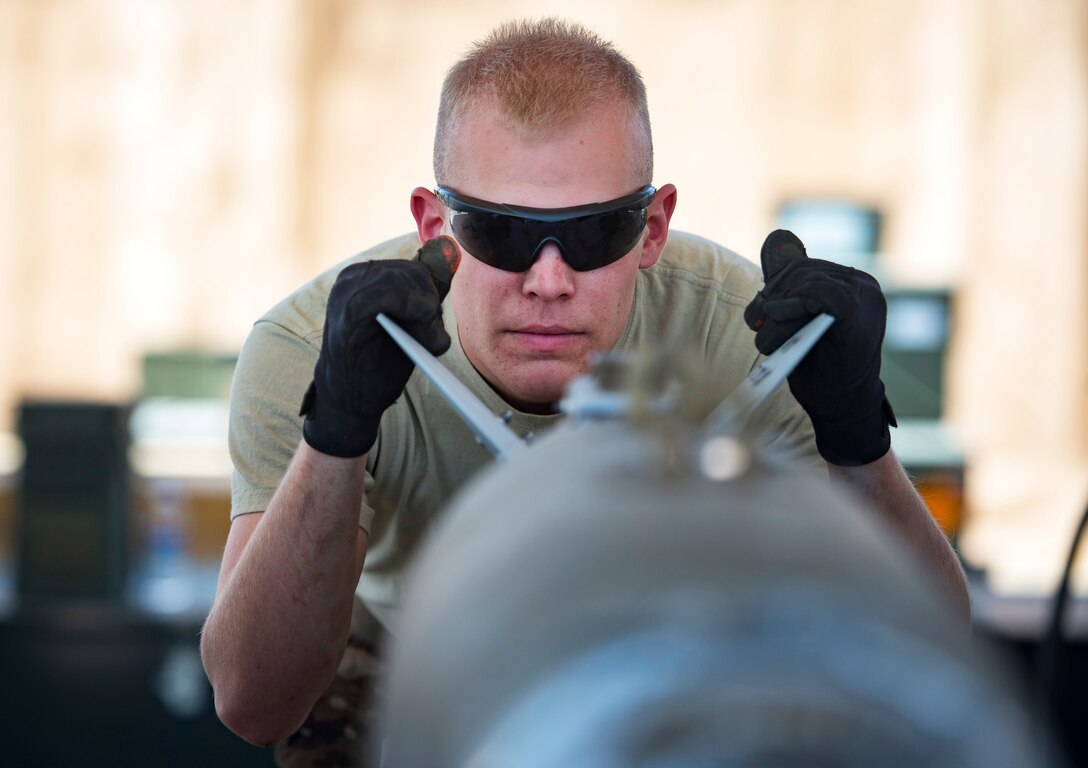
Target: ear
429, 213
658, 216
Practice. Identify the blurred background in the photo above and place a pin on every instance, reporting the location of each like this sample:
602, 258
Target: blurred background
170, 169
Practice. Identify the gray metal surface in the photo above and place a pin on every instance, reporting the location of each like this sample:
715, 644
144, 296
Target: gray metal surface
606, 601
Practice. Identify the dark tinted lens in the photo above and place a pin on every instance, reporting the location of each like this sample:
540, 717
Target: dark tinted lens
503, 242
592, 242
511, 243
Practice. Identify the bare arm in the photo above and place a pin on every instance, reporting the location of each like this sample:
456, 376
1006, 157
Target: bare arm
282, 610
887, 487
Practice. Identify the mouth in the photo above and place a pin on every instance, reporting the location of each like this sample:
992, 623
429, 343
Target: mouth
546, 338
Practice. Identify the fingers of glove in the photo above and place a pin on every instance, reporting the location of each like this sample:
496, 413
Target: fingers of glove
433, 336
353, 282
352, 279
773, 334
422, 318
376, 275
794, 308
818, 293
753, 313
414, 306
801, 277
401, 289
761, 309
781, 249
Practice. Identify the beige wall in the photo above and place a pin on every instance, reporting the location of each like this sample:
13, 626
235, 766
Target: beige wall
169, 169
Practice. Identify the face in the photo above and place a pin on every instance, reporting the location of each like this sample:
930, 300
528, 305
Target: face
530, 333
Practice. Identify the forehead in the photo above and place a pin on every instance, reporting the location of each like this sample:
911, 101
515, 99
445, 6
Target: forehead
587, 159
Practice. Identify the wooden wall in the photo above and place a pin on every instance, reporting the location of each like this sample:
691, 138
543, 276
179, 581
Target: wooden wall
169, 169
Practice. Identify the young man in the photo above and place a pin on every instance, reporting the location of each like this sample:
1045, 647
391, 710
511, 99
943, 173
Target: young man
543, 158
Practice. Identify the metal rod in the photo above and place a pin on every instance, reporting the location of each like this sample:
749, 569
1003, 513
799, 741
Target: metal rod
502, 441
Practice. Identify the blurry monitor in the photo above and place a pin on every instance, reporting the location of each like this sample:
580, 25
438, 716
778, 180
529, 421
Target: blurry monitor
75, 499
915, 343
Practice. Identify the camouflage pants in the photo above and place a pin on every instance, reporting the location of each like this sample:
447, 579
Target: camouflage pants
341, 730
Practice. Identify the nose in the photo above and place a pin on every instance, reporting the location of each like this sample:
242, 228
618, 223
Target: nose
550, 277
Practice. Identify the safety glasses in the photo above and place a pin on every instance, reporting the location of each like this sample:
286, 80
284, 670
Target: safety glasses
510, 237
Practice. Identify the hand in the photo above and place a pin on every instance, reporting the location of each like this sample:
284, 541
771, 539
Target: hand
838, 383
361, 371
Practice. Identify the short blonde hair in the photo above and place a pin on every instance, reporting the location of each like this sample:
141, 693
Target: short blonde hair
542, 75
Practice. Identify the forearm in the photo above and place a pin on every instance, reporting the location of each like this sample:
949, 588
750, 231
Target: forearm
280, 621
886, 486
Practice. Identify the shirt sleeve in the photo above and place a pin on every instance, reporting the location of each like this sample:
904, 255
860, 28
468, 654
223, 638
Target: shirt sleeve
274, 369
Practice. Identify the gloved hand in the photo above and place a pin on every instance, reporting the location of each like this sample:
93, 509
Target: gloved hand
838, 383
361, 371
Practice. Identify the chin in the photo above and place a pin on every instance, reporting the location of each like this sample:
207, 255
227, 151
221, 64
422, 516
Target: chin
537, 389
537, 399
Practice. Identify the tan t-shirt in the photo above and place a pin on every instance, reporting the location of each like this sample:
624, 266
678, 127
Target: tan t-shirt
695, 295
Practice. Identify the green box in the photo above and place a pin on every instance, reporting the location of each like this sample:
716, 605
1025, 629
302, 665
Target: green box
915, 346
188, 373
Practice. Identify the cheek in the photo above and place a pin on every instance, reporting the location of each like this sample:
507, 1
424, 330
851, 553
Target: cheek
461, 300
476, 293
612, 300
615, 294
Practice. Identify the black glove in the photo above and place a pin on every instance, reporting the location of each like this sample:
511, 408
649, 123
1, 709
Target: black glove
838, 383
361, 371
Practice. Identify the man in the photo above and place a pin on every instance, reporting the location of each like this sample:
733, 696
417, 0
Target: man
537, 126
